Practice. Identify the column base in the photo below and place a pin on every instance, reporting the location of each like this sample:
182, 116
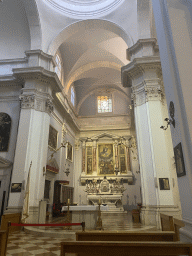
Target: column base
33, 215
13, 209
150, 214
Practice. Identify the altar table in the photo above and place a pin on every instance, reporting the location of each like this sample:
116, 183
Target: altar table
85, 213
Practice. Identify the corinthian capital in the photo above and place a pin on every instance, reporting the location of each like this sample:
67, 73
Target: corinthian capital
27, 101
49, 106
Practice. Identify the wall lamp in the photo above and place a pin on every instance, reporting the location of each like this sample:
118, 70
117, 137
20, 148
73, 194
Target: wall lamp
169, 122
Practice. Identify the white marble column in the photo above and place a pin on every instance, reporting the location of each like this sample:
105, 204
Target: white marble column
144, 75
32, 145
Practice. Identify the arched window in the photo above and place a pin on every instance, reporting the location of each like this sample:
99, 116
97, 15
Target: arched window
104, 104
58, 66
73, 95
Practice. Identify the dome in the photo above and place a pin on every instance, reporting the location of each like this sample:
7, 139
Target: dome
85, 8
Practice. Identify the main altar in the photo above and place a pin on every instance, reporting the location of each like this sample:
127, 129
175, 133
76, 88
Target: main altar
106, 193
105, 169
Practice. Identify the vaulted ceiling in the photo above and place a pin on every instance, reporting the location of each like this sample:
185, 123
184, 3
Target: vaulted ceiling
93, 59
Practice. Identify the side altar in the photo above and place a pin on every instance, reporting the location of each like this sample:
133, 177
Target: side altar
106, 193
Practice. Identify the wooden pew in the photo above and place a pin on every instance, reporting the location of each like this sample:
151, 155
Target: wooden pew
125, 248
3, 242
126, 236
169, 223
13, 218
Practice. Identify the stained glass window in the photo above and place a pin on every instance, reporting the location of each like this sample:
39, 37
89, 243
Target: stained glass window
72, 95
58, 66
104, 104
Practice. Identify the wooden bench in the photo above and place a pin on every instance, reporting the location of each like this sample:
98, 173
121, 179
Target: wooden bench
169, 223
126, 236
13, 218
3, 242
125, 248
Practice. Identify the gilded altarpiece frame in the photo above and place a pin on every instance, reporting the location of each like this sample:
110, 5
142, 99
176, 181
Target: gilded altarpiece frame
122, 159
89, 160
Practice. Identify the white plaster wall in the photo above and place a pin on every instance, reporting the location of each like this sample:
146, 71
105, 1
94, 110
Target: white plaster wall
9, 103
14, 30
120, 105
173, 25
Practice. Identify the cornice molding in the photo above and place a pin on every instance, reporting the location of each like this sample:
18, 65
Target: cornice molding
138, 67
9, 80
39, 73
141, 44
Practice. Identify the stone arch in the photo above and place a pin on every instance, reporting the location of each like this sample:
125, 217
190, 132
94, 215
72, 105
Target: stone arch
86, 24
89, 66
34, 23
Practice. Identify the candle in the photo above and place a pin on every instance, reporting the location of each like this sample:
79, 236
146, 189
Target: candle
99, 200
68, 201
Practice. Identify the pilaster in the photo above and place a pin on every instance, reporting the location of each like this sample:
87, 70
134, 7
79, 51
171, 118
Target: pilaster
143, 74
32, 142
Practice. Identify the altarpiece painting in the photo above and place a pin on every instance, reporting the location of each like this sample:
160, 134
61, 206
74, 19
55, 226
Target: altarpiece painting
105, 159
69, 152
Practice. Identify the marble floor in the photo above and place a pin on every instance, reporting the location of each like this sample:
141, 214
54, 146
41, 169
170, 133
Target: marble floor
47, 242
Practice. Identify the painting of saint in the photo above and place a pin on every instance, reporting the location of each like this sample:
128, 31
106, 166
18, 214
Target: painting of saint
179, 161
52, 142
5, 128
69, 152
105, 157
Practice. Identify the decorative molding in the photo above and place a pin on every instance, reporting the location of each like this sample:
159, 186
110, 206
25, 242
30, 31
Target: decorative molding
142, 94
138, 67
27, 101
34, 99
84, 9
77, 144
41, 74
49, 106
140, 46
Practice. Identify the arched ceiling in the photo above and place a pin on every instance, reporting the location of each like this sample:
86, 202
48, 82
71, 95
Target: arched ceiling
93, 58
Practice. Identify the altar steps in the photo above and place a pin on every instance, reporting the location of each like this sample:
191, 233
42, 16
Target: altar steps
119, 221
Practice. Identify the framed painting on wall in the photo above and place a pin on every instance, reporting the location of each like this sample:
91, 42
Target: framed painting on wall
53, 135
16, 187
179, 160
69, 152
164, 184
